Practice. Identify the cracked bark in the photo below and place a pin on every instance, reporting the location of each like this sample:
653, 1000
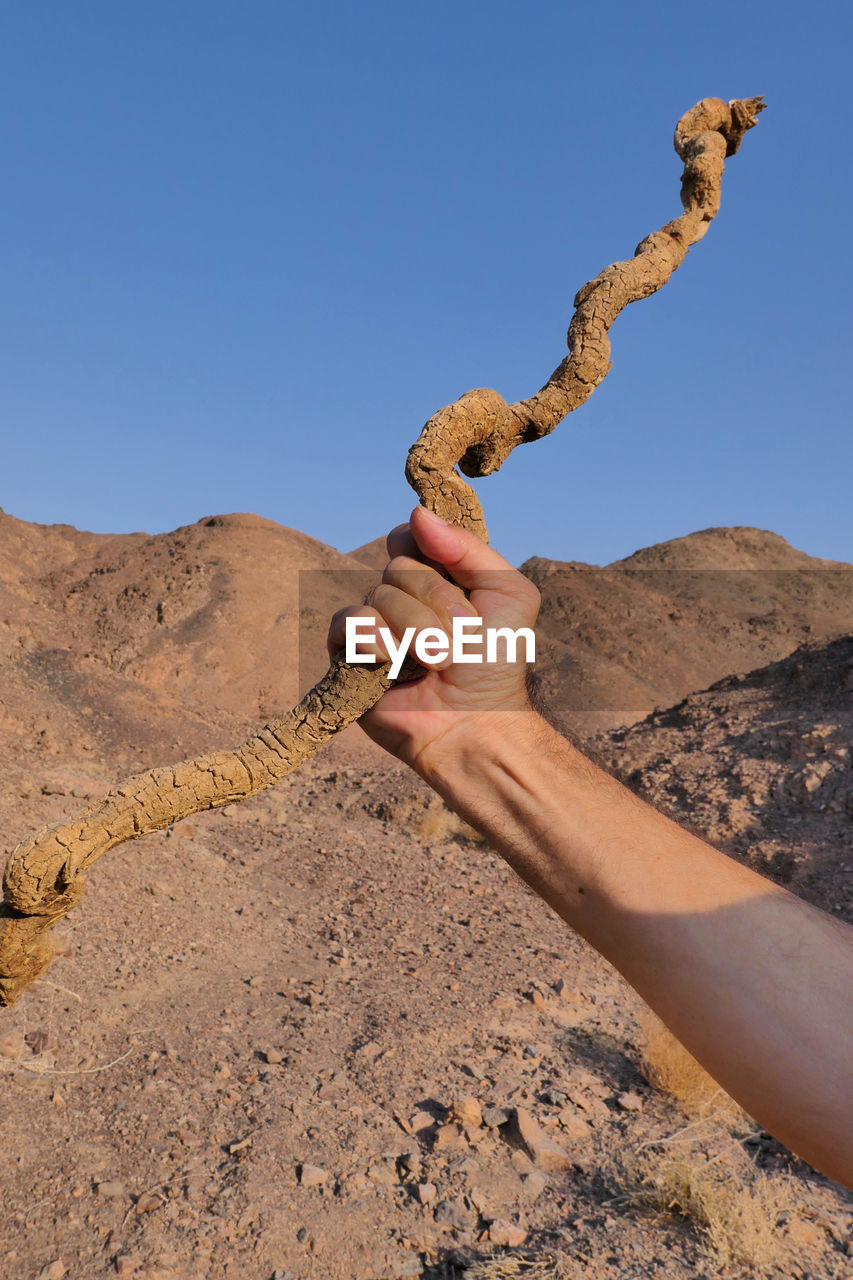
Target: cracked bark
44, 876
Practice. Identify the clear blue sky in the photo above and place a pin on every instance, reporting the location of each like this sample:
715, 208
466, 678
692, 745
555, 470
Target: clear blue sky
249, 247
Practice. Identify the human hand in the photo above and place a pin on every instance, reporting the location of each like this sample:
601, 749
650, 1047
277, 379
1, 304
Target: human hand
421, 719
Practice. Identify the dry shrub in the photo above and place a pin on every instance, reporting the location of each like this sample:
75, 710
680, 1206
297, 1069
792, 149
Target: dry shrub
737, 1217
441, 825
668, 1066
524, 1266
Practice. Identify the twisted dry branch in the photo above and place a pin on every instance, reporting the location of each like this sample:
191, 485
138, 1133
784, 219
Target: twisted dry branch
44, 874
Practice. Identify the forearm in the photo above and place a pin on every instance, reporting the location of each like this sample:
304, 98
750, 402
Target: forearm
753, 981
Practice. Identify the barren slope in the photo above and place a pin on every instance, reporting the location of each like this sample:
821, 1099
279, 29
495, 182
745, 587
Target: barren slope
615, 643
263, 1023
167, 643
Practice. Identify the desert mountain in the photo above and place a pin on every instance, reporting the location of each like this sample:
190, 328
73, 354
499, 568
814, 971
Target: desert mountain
617, 642
181, 641
160, 641
372, 553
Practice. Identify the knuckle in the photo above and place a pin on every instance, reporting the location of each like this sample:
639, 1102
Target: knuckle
382, 596
445, 599
434, 593
402, 571
529, 593
392, 569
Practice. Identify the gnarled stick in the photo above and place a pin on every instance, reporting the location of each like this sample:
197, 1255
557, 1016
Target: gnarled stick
44, 874
479, 431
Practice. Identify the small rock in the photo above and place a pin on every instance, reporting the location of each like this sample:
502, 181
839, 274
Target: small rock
148, 1202
126, 1264
521, 1162
411, 1163
630, 1101
421, 1120
573, 1125
311, 1175
13, 1045
112, 1190
426, 1192
382, 1173
544, 1153
588, 1101
273, 1056
537, 1000
239, 1145
494, 1117
468, 1111
534, 1184
40, 1041
454, 1214
53, 1271
447, 1135
507, 1233
408, 1265
482, 1201
554, 1097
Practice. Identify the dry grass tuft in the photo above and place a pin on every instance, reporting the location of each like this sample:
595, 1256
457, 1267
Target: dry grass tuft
441, 825
525, 1266
668, 1066
737, 1217
737, 1213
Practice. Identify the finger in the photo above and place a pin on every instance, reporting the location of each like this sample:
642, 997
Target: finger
445, 600
401, 542
402, 610
336, 639
469, 560
404, 613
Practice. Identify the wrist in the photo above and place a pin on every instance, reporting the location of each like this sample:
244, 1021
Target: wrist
479, 740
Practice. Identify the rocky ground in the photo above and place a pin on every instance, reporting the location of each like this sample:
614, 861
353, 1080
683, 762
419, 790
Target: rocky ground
327, 1034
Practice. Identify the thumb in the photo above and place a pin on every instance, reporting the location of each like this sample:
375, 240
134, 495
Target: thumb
469, 561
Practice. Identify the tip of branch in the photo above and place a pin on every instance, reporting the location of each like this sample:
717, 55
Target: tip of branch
745, 112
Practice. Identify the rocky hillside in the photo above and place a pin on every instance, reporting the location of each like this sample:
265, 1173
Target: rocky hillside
166, 643
179, 641
620, 641
762, 764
